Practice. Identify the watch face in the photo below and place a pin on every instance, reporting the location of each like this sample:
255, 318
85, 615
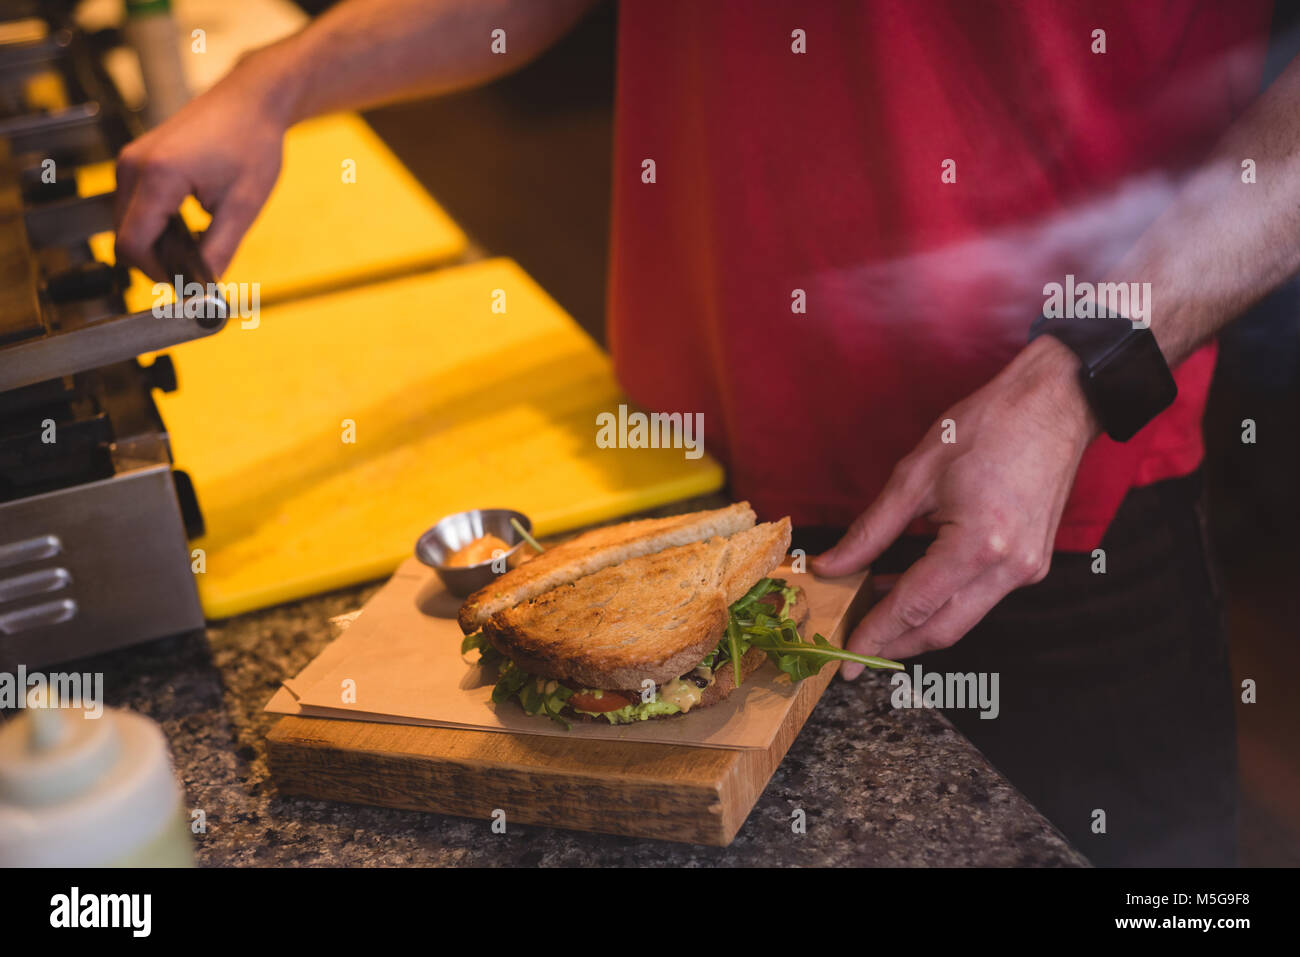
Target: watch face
1130, 386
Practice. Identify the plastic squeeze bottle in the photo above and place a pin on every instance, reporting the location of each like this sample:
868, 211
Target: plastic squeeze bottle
79, 792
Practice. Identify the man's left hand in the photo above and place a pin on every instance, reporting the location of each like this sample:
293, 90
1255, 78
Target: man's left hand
996, 490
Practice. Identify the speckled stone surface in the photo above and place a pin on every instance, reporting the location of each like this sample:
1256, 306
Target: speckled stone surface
879, 787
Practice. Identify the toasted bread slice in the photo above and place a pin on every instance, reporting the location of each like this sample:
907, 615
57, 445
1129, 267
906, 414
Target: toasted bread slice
650, 617
597, 549
724, 681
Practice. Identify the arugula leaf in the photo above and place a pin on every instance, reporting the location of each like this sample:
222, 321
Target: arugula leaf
735, 643
733, 648
510, 681
764, 586
487, 653
753, 625
803, 659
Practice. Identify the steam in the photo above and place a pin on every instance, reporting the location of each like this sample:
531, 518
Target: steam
998, 278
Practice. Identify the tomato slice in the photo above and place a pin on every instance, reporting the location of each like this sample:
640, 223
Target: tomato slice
609, 701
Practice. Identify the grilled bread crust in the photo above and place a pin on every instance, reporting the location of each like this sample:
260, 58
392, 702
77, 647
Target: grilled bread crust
724, 681
653, 617
595, 550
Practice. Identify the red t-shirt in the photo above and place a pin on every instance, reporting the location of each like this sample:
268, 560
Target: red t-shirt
822, 171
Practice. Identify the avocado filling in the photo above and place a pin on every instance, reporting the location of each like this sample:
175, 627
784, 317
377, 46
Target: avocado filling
538, 695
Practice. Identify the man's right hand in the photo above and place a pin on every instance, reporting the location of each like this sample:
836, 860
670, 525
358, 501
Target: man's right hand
224, 148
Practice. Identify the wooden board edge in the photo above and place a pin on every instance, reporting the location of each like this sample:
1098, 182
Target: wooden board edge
305, 760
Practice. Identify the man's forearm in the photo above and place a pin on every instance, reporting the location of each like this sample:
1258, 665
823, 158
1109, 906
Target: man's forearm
1224, 242
364, 53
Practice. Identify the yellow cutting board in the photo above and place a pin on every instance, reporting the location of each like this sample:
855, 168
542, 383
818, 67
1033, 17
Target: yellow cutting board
326, 439
318, 231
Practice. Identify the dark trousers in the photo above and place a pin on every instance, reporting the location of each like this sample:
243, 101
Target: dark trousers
1115, 689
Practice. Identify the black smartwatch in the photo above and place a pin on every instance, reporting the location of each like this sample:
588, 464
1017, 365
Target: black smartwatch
1124, 376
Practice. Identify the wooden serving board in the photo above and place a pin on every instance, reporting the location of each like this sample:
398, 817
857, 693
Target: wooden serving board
672, 792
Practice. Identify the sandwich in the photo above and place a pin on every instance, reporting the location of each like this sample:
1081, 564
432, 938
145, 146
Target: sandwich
646, 620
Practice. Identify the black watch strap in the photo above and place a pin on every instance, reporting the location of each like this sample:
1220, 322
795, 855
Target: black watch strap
1124, 375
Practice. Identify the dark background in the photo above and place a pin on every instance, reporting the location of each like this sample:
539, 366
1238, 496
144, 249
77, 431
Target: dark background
523, 165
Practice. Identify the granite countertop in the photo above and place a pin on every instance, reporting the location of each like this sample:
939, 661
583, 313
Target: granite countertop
879, 786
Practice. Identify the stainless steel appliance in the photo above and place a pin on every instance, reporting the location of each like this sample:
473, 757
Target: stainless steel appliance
93, 518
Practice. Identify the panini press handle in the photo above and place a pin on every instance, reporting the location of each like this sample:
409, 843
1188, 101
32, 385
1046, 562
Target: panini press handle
177, 251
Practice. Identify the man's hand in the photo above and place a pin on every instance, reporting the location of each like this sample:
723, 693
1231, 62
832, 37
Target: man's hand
996, 492
224, 148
